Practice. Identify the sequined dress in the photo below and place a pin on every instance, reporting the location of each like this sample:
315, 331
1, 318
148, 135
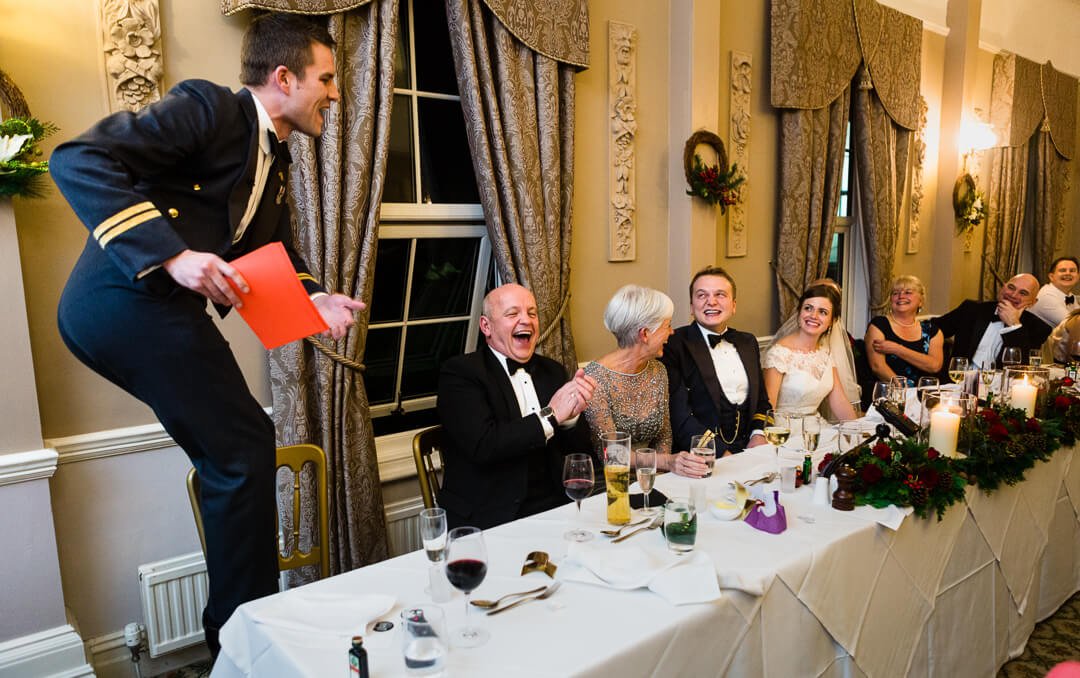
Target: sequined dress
633, 403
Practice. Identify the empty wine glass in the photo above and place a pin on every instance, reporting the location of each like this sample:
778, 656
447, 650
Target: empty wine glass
578, 481
1011, 356
928, 382
466, 567
645, 463
880, 392
958, 368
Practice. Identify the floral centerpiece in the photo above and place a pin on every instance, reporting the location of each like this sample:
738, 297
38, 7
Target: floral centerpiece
1003, 443
20, 168
1063, 408
717, 184
905, 473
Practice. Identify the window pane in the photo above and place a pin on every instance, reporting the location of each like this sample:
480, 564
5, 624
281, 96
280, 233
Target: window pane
836, 259
388, 293
843, 209
426, 347
381, 359
445, 166
401, 49
434, 59
399, 185
443, 273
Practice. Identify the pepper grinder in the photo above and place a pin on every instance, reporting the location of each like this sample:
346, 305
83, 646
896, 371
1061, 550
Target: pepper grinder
843, 499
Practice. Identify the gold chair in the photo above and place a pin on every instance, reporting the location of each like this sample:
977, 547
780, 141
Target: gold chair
428, 460
295, 457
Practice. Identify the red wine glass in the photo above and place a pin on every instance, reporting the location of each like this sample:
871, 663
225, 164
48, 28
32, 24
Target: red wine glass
578, 481
466, 566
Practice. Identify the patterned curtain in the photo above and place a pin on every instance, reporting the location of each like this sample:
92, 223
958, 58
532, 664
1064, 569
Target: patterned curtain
336, 188
1048, 200
1006, 203
519, 117
881, 149
811, 167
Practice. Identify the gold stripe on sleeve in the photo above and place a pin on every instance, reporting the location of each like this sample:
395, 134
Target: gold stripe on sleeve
122, 216
306, 276
127, 226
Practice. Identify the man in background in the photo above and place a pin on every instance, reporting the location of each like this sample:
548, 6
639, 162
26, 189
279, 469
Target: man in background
509, 417
1056, 299
170, 196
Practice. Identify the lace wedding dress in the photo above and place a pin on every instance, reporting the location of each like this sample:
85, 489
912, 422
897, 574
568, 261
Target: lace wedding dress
808, 378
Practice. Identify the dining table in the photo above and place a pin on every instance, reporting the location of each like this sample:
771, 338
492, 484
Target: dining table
867, 592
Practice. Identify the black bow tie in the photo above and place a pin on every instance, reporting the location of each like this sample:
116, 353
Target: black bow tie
513, 366
1069, 299
715, 339
279, 149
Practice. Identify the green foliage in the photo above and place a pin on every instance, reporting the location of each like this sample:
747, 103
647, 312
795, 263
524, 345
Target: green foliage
21, 169
713, 185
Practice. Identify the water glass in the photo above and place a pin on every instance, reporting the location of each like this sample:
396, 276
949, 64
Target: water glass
898, 391
423, 639
787, 478
680, 526
704, 448
432, 523
1035, 357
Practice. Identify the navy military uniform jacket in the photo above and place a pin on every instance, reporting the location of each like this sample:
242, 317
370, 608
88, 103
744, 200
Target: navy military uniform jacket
695, 390
177, 175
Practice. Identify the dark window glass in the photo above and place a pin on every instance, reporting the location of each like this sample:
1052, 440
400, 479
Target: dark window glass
434, 59
843, 207
399, 166
401, 49
445, 166
426, 347
391, 267
380, 357
836, 259
443, 273
398, 421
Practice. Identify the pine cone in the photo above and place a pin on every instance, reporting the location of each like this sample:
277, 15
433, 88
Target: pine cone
919, 496
946, 480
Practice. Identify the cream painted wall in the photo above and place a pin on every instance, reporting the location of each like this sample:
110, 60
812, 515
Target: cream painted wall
593, 278
51, 50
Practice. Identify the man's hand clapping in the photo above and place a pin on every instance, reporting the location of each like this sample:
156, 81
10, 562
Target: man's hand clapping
574, 396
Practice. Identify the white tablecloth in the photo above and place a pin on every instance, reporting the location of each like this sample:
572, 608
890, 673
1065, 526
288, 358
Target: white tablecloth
836, 594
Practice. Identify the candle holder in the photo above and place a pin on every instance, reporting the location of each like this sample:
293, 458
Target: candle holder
950, 420
1026, 388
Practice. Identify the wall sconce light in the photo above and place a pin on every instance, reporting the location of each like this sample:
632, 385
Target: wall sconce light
975, 135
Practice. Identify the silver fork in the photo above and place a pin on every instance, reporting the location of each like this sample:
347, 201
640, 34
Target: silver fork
651, 526
546, 593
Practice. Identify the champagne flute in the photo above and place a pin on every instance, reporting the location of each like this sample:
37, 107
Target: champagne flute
645, 463
811, 432
433, 537
578, 481
987, 375
959, 366
777, 430
466, 567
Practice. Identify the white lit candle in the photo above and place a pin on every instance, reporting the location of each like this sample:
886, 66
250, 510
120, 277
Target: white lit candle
1023, 394
944, 430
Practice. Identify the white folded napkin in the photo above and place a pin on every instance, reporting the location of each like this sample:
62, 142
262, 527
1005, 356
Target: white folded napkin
680, 580
892, 516
323, 613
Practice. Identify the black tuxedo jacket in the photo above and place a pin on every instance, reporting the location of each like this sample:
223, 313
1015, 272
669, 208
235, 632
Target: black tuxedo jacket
968, 321
487, 444
695, 390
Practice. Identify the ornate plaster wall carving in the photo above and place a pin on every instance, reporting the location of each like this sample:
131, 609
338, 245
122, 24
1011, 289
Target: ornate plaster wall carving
917, 180
131, 39
739, 151
622, 112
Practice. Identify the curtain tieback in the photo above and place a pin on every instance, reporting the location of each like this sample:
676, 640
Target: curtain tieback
335, 356
555, 321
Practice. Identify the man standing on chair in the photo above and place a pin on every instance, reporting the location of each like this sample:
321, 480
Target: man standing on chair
508, 416
170, 196
714, 375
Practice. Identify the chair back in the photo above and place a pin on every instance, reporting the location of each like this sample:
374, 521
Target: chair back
295, 457
429, 460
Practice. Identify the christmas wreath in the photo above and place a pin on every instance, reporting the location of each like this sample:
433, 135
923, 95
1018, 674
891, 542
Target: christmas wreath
20, 168
717, 184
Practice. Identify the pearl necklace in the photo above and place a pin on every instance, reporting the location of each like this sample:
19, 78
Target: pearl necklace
913, 323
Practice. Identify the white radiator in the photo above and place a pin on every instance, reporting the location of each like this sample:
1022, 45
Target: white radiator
173, 596
402, 525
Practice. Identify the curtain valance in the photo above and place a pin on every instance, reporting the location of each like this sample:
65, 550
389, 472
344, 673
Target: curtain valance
817, 46
1024, 94
558, 29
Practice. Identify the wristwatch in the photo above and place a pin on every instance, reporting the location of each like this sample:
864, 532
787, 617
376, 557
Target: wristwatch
549, 414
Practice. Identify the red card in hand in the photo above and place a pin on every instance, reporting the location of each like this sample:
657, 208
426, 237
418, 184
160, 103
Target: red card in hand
277, 308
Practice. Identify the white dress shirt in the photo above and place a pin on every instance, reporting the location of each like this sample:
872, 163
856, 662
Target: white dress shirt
730, 371
528, 402
991, 342
1050, 304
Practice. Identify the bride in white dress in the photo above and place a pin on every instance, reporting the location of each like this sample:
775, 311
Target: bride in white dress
799, 369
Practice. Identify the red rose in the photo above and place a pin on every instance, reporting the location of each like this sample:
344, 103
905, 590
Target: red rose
998, 433
1067, 381
825, 461
882, 451
989, 415
932, 453
1032, 425
929, 477
871, 473
1062, 402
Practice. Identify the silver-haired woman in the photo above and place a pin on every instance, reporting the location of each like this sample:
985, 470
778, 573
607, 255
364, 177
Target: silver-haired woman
632, 386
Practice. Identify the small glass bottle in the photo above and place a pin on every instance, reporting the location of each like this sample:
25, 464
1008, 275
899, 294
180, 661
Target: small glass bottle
807, 469
358, 664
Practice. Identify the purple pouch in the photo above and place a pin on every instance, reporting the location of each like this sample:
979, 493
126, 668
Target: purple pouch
774, 524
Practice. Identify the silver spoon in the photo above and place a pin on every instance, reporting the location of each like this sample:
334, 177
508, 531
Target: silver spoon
546, 594
488, 604
616, 533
